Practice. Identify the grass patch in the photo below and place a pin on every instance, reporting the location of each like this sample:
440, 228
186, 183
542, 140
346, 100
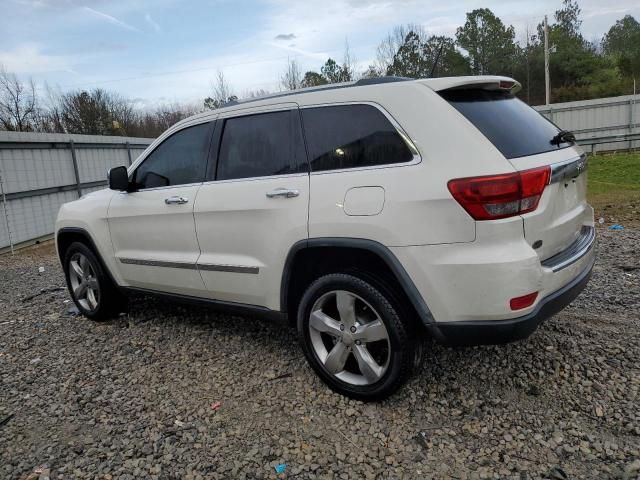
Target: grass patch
614, 186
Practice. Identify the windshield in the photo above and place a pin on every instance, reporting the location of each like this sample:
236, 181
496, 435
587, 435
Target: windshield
513, 127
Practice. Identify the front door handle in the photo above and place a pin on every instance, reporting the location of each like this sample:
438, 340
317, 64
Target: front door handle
283, 192
176, 200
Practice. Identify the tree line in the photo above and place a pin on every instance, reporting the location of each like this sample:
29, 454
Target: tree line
483, 45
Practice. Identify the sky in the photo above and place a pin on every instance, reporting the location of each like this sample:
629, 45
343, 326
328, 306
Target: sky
164, 51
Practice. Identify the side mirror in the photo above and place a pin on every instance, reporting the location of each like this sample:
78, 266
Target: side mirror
118, 179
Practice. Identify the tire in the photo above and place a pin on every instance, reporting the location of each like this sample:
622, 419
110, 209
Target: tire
366, 355
92, 291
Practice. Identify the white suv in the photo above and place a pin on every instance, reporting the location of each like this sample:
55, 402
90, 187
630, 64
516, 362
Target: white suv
371, 214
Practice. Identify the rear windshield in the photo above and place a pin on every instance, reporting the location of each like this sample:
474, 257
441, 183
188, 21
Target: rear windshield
513, 127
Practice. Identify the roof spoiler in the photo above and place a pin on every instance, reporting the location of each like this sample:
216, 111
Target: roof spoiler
484, 82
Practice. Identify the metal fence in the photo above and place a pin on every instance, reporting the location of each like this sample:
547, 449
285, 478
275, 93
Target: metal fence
594, 122
40, 171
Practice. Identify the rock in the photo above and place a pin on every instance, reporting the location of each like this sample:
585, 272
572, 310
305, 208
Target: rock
106, 395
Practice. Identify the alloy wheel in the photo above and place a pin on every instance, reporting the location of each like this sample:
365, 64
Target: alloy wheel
349, 338
84, 285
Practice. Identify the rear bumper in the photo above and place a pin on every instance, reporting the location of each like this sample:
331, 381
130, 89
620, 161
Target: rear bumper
492, 332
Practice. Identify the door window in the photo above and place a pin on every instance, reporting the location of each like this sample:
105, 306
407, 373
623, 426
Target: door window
180, 159
352, 136
261, 145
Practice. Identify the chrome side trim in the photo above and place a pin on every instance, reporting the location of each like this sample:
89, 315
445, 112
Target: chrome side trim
574, 252
191, 266
228, 268
156, 263
564, 171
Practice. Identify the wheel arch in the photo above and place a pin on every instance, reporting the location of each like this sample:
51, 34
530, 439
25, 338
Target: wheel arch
68, 235
302, 254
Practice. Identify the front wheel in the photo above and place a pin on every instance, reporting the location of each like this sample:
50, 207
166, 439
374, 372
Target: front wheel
354, 338
91, 289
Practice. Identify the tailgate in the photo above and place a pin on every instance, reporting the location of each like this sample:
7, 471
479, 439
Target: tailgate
563, 209
528, 140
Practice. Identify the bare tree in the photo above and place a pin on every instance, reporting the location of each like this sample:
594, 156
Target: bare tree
221, 93
292, 78
261, 92
50, 118
18, 103
349, 63
169, 114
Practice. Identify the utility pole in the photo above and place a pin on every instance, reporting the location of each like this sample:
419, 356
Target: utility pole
528, 70
547, 92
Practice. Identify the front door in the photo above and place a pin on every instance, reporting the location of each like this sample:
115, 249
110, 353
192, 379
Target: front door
152, 228
254, 206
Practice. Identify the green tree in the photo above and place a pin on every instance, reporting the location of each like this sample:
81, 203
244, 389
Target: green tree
410, 60
450, 62
577, 71
489, 43
313, 79
335, 73
416, 57
622, 43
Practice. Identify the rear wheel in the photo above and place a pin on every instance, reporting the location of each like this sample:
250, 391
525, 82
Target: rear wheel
354, 338
91, 289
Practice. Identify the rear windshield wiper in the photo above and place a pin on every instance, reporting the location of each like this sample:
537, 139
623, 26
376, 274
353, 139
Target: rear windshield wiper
563, 136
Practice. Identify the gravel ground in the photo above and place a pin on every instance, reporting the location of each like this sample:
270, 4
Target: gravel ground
136, 397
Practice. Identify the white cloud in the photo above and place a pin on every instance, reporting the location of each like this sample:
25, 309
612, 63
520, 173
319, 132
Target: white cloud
28, 58
152, 22
110, 19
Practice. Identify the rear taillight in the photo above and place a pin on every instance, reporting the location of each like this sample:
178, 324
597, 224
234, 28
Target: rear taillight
500, 196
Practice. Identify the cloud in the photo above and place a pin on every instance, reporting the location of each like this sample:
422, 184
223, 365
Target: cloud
285, 36
152, 22
110, 19
29, 59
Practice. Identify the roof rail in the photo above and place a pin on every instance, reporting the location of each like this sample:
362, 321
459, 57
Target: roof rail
320, 88
378, 80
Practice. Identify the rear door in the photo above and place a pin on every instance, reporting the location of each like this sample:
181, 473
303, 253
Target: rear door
152, 228
528, 140
254, 206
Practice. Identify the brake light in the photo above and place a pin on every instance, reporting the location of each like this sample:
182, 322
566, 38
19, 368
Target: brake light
500, 196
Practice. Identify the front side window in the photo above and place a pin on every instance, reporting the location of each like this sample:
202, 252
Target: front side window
179, 160
352, 136
261, 145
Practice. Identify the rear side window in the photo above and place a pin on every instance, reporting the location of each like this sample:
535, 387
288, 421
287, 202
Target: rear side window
261, 145
513, 127
179, 160
351, 136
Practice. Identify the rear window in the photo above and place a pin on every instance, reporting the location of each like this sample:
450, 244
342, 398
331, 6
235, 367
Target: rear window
513, 127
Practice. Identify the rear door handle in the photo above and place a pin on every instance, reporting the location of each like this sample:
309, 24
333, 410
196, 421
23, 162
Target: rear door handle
176, 200
283, 192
